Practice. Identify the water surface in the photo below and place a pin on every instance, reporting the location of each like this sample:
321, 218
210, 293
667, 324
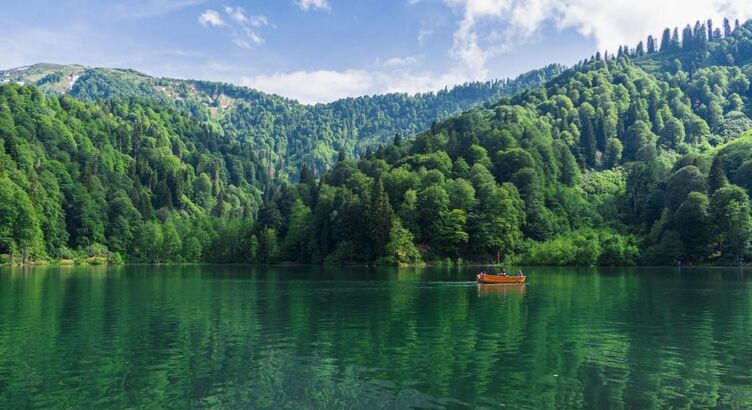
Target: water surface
302, 337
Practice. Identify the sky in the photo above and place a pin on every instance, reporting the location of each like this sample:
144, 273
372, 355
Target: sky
322, 50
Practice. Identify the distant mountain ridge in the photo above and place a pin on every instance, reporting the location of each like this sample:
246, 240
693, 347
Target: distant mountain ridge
284, 133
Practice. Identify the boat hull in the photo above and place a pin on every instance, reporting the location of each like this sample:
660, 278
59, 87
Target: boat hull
509, 280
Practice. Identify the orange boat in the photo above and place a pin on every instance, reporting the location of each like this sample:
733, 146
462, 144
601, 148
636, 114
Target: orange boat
511, 280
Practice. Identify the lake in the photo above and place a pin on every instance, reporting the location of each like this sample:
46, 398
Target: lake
314, 337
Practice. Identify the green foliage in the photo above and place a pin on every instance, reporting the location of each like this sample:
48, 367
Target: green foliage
400, 250
583, 248
643, 156
281, 134
130, 175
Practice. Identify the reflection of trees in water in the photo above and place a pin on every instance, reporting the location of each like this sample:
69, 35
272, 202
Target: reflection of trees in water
213, 337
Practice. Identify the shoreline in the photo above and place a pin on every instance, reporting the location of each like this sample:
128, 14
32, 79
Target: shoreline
300, 265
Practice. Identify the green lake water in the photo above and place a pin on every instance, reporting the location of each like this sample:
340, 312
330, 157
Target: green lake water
303, 337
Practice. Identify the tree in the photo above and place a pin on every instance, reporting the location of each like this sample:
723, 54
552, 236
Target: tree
268, 245
149, 241
587, 134
687, 179
397, 139
253, 249
123, 219
717, 176
448, 232
691, 222
295, 243
651, 45
306, 175
570, 172
688, 40
613, 152
730, 215
496, 227
675, 44
431, 202
400, 249
666, 40
171, 242
380, 216
726, 28
191, 250
461, 194
638, 136
739, 231
640, 49
510, 161
19, 225
270, 217
8, 216
673, 133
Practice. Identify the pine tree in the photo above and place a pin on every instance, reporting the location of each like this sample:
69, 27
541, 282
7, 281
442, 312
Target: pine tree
306, 175
675, 44
380, 216
397, 139
687, 38
666, 40
651, 45
717, 176
710, 30
700, 35
726, 28
639, 51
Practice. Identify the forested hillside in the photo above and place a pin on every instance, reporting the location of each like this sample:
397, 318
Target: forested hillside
608, 163
124, 176
640, 156
283, 133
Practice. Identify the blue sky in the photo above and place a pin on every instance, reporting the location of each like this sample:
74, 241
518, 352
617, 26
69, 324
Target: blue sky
320, 50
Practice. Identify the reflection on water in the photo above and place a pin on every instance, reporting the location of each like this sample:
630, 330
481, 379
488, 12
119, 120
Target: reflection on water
297, 337
502, 290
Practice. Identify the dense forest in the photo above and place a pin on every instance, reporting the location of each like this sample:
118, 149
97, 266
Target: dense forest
609, 163
281, 134
639, 156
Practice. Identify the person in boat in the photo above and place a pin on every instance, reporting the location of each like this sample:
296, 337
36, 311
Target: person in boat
503, 272
519, 273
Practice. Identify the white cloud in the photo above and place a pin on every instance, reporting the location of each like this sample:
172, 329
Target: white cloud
489, 27
401, 61
629, 21
313, 86
243, 28
210, 18
237, 14
323, 86
313, 4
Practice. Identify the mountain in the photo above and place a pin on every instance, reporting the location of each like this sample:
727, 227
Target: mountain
282, 133
641, 156
102, 178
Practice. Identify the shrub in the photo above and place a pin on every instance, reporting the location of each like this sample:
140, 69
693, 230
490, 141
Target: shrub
584, 247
